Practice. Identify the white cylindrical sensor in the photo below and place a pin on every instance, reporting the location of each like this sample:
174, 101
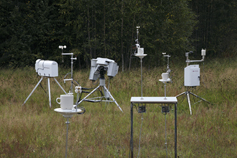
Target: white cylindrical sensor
140, 51
203, 52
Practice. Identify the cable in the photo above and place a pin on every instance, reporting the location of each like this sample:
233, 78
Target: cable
140, 136
76, 82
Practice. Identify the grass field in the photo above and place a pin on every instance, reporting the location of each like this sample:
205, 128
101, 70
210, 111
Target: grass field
35, 130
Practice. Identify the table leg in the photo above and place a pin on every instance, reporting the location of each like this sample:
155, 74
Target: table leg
131, 139
175, 130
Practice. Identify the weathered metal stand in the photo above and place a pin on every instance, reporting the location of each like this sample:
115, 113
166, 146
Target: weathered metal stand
187, 93
67, 114
48, 89
154, 100
106, 91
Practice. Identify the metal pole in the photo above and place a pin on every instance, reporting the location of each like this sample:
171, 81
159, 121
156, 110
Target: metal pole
189, 103
140, 136
137, 35
166, 146
67, 122
33, 90
165, 89
199, 97
112, 98
131, 139
180, 94
141, 78
175, 130
89, 94
72, 73
60, 86
49, 92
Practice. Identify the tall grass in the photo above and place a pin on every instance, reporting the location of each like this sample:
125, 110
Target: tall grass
35, 130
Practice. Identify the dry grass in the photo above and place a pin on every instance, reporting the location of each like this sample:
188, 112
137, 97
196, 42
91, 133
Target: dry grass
35, 130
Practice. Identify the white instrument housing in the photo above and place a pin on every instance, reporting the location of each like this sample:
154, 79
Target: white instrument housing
46, 68
192, 75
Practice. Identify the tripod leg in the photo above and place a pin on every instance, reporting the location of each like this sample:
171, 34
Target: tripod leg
189, 103
49, 92
89, 94
33, 90
113, 98
180, 94
200, 97
60, 86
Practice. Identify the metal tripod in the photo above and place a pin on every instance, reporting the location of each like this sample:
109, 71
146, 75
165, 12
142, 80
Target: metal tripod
188, 98
106, 91
102, 84
48, 89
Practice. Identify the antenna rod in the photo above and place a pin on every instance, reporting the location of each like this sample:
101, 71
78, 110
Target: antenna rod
137, 33
141, 78
140, 54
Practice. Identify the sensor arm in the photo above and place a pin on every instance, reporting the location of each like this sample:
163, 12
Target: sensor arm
203, 53
195, 61
67, 53
71, 79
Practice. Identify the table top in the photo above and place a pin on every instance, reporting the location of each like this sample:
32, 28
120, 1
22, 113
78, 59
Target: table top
153, 100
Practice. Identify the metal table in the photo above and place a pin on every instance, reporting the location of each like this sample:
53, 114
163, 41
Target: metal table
154, 100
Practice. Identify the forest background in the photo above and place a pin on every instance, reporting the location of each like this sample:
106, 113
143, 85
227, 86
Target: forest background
32, 29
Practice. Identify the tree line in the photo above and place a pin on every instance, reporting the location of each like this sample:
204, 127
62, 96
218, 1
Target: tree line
33, 29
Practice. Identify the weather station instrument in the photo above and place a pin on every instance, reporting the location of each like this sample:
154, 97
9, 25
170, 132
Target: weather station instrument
72, 59
168, 70
165, 108
99, 67
166, 76
46, 69
192, 77
140, 53
67, 110
143, 101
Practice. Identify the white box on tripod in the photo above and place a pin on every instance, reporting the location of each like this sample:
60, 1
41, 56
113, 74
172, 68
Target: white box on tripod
46, 68
112, 69
192, 75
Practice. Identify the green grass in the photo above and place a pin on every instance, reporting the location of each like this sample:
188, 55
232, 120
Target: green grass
35, 130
